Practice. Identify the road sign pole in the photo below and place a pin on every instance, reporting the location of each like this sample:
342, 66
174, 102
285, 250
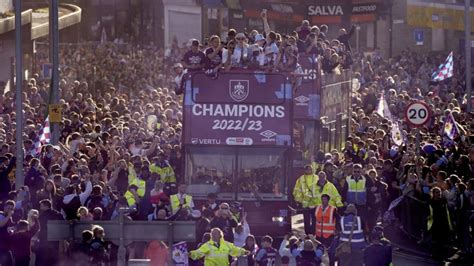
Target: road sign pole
417, 114
418, 142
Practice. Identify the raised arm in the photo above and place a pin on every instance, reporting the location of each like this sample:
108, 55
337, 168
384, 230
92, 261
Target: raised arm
266, 26
200, 252
84, 195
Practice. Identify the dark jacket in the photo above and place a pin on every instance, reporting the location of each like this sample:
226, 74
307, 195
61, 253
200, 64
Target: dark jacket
34, 180
44, 217
344, 38
20, 242
226, 225
5, 186
377, 255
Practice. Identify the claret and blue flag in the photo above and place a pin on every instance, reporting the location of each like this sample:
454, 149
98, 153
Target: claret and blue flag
445, 70
450, 129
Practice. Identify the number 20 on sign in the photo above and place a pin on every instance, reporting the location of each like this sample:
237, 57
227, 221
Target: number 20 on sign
417, 114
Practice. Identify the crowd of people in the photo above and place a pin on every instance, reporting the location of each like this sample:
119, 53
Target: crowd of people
120, 148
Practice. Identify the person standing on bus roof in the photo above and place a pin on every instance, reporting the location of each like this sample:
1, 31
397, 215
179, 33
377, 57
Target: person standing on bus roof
181, 200
214, 54
305, 193
194, 60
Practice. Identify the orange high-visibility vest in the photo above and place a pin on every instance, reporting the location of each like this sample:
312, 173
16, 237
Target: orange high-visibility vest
325, 222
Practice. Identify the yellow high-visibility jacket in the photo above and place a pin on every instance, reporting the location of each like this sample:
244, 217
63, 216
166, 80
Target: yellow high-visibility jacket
174, 200
214, 256
134, 180
304, 191
331, 190
130, 198
166, 172
308, 192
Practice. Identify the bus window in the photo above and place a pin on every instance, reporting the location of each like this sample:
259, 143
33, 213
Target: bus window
210, 170
261, 173
304, 139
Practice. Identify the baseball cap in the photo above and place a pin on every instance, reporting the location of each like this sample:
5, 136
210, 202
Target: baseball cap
240, 35
178, 65
259, 37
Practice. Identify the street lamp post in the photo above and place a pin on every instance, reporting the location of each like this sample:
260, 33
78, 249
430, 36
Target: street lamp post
19, 177
54, 56
467, 31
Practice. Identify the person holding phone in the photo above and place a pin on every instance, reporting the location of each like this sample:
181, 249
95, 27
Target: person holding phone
225, 222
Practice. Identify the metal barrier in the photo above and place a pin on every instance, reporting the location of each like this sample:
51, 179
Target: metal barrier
122, 232
335, 133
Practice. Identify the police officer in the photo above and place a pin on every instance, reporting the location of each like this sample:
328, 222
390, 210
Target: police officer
305, 194
217, 251
324, 186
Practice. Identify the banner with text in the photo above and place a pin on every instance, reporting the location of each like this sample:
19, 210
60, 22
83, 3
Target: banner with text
239, 109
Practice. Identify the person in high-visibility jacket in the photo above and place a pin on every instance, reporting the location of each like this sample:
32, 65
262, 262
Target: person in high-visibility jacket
326, 217
181, 200
313, 186
216, 251
162, 167
134, 179
352, 222
305, 193
355, 189
131, 195
324, 186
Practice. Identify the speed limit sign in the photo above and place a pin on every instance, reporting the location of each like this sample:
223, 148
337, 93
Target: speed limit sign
417, 114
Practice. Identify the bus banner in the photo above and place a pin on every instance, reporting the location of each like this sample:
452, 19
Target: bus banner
306, 100
238, 109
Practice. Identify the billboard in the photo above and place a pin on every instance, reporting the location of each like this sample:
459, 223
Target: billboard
436, 15
238, 109
306, 100
357, 11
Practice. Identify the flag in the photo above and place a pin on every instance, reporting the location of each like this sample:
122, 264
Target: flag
382, 108
445, 70
450, 129
103, 36
43, 138
384, 111
395, 203
180, 254
396, 133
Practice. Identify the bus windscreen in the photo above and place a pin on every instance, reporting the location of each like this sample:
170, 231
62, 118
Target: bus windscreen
238, 109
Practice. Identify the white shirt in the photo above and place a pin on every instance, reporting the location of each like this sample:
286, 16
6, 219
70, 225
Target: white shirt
239, 239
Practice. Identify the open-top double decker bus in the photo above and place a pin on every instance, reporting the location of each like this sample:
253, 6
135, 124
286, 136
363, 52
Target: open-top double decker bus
247, 136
